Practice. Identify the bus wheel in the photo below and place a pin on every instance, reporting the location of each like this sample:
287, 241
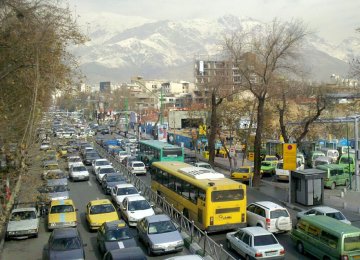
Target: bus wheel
186, 213
300, 248
333, 185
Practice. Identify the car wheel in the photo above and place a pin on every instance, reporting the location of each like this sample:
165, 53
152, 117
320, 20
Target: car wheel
228, 244
333, 185
149, 252
300, 248
247, 257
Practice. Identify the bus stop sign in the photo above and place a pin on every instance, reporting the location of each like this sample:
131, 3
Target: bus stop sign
289, 154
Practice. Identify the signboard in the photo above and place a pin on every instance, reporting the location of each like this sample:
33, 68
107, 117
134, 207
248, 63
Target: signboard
289, 154
162, 133
251, 156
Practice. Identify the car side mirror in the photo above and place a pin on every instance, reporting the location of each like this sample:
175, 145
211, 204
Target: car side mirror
152, 205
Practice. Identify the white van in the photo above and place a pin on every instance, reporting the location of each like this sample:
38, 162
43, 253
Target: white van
332, 153
283, 175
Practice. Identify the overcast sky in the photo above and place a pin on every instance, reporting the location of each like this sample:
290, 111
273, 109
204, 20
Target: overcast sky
332, 19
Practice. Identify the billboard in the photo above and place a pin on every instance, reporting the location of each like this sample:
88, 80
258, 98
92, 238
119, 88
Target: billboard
162, 132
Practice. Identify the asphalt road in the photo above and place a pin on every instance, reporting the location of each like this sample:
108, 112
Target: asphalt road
81, 193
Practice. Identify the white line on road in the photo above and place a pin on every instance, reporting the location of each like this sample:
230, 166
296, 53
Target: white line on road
90, 184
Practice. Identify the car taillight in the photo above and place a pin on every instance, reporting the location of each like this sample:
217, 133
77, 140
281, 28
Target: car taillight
258, 255
268, 221
211, 220
282, 252
344, 257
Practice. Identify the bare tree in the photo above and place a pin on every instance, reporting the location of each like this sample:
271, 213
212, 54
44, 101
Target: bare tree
262, 56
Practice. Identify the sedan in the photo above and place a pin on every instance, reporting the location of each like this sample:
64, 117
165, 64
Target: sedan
325, 211
159, 235
134, 208
78, 172
23, 223
99, 163
255, 243
137, 167
64, 243
99, 212
121, 191
89, 157
101, 171
110, 180
115, 235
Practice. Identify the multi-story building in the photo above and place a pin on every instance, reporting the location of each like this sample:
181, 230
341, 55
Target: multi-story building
105, 86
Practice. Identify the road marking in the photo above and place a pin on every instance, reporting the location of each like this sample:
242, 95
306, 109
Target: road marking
90, 184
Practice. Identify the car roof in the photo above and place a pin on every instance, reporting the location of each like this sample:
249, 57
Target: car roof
62, 202
106, 167
115, 224
268, 204
137, 162
99, 202
325, 209
185, 257
77, 164
124, 185
65, 232
101, 159
135, 198
134, 253
256, 231
23, 209
157, 218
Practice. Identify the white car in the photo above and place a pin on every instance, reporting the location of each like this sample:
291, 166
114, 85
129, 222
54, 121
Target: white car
121, 155
99, 163
269, 215
73, 159
255, 243
78, 172
204, 165
325, 211
137, 167
101, 171
134, 208
121, 191
23, 223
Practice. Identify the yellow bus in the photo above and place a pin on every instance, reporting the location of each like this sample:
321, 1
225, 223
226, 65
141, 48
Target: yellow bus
212, 201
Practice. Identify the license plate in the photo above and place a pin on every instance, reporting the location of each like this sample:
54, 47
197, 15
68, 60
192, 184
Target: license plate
271, 253
170, 249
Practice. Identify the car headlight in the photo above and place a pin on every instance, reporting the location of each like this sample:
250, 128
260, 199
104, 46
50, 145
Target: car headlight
72, 223
178, 243
52, 224
132, 218
33, 230
157, 246
11, 232
95, 224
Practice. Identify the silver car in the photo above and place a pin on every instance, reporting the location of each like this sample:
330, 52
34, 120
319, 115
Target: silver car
159, 235
23, 223
325, 211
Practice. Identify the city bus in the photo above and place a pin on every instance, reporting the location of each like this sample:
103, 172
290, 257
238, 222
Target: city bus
153, 151
213, 202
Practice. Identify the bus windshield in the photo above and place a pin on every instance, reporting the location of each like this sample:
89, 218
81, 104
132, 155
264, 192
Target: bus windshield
227, 195
352, 243
172, 152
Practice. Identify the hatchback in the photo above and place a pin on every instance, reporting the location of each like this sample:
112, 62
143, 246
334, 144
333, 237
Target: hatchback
137, 167
134, 208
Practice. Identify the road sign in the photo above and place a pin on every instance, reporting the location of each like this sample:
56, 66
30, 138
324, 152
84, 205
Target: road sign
251, 156
289, 154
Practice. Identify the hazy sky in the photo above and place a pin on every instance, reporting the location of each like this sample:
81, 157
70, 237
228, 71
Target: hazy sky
332, 19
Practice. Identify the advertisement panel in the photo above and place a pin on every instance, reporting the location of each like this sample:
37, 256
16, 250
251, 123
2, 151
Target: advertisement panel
162, 133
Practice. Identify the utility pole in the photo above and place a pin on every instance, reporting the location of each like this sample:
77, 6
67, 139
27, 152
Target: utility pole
126, 115
357, 177
161, 107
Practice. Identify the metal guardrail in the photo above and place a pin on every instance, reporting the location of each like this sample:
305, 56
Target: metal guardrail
207, 244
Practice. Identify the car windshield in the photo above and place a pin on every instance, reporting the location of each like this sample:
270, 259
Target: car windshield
61, 209
100, 209
79, 169
92, 155
118, 234
107, 170
52, 167
161, 227
99, 163
127, 191
65, 243
346, 160
271, 159
115, 178
138, 165
55, 175
265, 240
58, 188
138, 205
205, 166
278, 213
22, 215
265, 164
243, 170
74, 159
336, 215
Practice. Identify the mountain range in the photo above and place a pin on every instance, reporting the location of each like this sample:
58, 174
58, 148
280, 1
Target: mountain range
121, 47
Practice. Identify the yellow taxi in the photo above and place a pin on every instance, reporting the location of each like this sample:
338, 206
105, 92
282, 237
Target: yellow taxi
62, 150
62, 213
243, 173
99, 212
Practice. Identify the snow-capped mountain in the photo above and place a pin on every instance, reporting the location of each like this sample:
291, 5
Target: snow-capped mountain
122, 47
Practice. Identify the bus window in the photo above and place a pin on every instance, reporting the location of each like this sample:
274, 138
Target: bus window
227, 195
202, 195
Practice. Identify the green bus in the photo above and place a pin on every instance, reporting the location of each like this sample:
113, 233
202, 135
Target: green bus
326, 238
335, 175
154, 151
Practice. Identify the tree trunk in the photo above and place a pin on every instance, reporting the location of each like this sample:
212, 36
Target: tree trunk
248, 133
257, 144
213, 127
